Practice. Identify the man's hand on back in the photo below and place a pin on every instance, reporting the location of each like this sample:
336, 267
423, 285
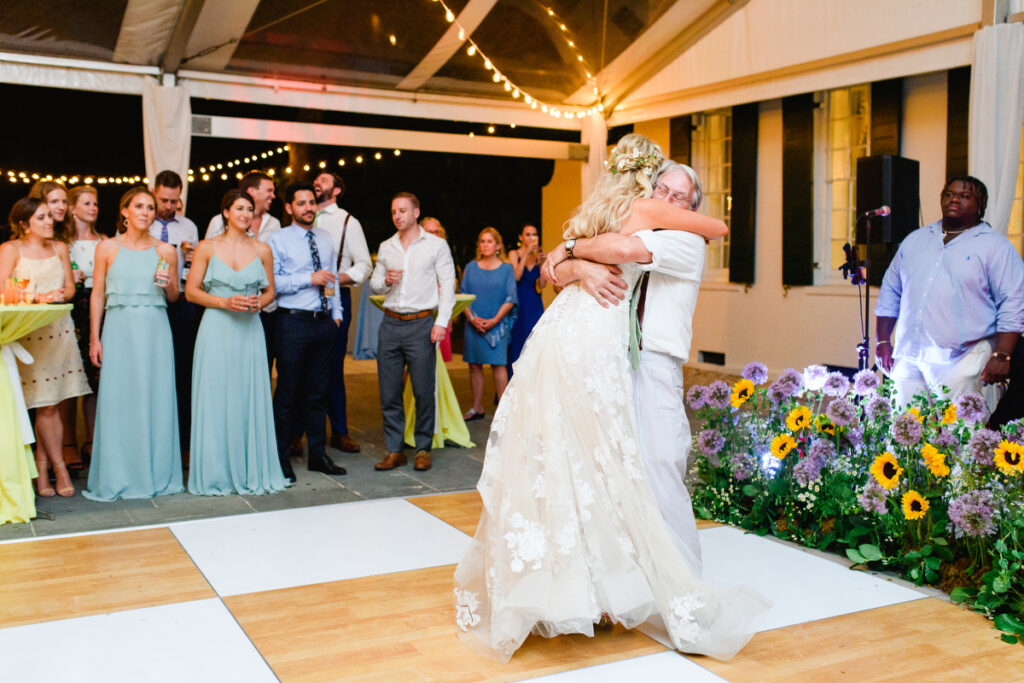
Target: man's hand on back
601, 282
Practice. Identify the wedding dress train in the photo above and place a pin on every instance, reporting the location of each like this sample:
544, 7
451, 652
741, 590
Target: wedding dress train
570, 529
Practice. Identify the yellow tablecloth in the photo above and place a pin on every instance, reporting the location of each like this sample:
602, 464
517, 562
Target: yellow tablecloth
448, 422
17, 467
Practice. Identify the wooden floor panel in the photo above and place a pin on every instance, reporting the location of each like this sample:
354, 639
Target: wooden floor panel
922, 640
62, 578
400, 627
462, 510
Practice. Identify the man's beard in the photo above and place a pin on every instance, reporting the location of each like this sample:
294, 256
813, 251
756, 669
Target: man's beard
324, 196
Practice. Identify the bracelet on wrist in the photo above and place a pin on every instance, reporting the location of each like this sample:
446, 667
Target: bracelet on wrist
883, 341
1001, 355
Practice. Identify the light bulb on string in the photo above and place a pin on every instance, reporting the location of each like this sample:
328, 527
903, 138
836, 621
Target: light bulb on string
471, 50
359, 159
398, 152
322, 164
377, 156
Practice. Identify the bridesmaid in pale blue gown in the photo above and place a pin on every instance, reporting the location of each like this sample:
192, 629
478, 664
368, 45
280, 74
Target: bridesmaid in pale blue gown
136, 453
234, 446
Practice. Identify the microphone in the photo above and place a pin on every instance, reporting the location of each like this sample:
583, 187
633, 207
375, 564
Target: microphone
880, 211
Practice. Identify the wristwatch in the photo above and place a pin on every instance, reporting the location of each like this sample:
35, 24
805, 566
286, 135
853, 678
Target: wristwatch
1001, 355
569, 244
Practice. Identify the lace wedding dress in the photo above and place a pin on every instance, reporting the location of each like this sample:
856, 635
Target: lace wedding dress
570, 528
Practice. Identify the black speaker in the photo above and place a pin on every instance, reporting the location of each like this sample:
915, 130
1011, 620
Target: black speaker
888, 180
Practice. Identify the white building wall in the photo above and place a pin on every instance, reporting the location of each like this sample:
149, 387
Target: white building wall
802, 325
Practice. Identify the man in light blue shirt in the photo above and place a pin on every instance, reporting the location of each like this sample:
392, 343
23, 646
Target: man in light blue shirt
308, 314
954, 294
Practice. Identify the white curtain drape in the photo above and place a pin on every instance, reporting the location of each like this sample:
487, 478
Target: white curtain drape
997, 114
166, 129
594, 132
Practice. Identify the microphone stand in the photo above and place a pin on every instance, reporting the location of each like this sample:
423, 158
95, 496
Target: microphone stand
859, 274
864, 347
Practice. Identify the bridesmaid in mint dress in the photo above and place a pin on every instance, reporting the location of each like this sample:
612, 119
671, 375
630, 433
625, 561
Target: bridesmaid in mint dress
234, 446
136, 453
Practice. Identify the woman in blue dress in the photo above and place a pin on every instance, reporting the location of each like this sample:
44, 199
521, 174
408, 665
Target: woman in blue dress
136, 452
233, 444
490, 318
526, 264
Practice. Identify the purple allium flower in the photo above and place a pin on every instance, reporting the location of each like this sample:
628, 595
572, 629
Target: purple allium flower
821, 450
971, 407
1014, 431
777, 392
697, 396
877, 407
972, 513
742, 467
855, 435
983, 444
710, 441
807, 471
815, 376
872, 498
864, 382
755, 372
906, 430
836, 384
792, 379
718, 395
944, 438
841, 412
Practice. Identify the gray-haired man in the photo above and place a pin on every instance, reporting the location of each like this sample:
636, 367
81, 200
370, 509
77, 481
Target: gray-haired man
665, 299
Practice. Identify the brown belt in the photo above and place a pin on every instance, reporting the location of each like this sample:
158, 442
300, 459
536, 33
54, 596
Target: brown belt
409, 316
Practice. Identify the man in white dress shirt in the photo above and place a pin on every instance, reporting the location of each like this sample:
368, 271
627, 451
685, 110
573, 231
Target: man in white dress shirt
667, 295
173, 228
353, 267
416, 274
260, 187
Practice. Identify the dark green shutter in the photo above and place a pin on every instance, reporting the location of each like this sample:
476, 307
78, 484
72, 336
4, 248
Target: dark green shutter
680, 130
798, 190
744, 192
886, 116
957, 111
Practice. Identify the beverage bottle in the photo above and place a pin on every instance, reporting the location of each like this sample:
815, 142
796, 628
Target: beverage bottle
74, 266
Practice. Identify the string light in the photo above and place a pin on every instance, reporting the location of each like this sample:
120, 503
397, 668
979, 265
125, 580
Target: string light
205, 173
513, 88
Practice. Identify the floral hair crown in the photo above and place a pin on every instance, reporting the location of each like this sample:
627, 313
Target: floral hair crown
622, 163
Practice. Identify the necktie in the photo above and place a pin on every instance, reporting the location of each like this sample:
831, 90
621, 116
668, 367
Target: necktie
315, 253
636, 316
163, 232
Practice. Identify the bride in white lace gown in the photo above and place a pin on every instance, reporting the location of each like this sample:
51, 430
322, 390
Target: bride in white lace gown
570, 529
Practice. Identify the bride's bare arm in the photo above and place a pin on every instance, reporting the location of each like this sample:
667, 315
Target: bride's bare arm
654, 214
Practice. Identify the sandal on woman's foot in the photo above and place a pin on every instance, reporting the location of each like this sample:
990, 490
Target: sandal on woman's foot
473, 415
47, 492
65, 492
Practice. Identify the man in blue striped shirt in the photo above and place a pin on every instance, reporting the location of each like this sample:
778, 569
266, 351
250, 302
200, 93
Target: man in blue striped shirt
308, 314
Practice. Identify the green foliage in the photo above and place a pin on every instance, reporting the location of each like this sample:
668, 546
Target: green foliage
842, 507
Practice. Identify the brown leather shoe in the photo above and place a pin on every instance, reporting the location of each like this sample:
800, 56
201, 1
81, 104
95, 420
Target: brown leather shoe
391, 462
343, 443
422, 462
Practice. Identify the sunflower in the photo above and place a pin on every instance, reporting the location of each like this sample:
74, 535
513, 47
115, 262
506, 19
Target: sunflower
1010, 457
886, 471
935, 460
824, 425
782, 445
949, 416
914, 505
917, 414
741, 392
798, 418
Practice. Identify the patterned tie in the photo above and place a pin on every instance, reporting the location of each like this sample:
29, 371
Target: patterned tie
315, 253
164, 237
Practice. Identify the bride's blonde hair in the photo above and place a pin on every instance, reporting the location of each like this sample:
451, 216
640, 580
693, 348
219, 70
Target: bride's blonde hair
632, 165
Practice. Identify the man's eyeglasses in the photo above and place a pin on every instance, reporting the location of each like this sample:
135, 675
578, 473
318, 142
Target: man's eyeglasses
681, 199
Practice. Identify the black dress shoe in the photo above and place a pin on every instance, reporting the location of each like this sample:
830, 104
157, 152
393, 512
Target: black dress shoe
288, 472
326, 466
